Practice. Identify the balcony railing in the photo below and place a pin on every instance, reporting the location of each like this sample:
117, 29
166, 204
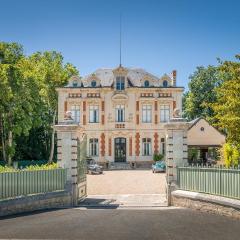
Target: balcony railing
120, 125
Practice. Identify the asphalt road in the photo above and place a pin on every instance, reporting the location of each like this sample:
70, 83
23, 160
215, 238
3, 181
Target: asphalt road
114, 224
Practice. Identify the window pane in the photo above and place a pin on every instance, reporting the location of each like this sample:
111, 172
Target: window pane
146, 113
93, 147
93, 114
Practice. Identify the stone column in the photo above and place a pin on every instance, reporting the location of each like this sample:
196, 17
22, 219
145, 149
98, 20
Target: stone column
67, 134
176, 145
176, 151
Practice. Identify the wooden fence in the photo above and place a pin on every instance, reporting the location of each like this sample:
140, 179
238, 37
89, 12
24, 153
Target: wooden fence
217, 181
22, 183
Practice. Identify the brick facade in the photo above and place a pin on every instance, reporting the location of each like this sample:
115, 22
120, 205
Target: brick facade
137, 142
102, 144
156, 145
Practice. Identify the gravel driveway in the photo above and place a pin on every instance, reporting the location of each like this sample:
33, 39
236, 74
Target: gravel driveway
126, 182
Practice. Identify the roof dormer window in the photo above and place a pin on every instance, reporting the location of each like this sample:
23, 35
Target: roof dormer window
146, 83
93, 83
165, 83
75, 83
120, 83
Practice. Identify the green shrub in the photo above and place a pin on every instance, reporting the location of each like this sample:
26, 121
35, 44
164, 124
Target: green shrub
7, 169
29, 168
42, 167
157, 157
231, 155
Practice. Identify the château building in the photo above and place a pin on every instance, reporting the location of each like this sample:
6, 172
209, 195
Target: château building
123, 112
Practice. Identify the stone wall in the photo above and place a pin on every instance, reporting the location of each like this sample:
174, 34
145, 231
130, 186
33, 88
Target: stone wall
207, 203
31, 203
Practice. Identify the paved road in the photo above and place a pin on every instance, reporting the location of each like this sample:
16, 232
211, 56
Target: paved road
126, 182
125, 200
164, 224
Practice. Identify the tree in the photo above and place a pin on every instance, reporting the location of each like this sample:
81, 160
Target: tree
51, 73
17, 97
28, 101
201, 92
227, 105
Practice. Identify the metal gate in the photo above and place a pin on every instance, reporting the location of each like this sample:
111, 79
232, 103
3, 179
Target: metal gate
82, 168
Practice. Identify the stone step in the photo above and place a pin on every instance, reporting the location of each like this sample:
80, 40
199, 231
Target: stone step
124, 200
120, 166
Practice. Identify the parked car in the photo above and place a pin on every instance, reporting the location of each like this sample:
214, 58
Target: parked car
93, 167
159, 166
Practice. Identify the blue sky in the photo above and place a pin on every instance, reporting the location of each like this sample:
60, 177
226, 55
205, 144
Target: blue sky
158, 36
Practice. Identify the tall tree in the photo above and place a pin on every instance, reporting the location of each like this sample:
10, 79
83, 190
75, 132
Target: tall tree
17, 97
28, 101
201, 92
227, 105
51, 73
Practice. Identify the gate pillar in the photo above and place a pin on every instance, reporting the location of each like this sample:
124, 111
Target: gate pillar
176, 149
68, 133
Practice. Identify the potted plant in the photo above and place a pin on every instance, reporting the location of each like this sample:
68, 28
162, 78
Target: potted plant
158, 157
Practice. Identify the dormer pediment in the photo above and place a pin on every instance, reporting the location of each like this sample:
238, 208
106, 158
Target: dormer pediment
120, 71
120, 97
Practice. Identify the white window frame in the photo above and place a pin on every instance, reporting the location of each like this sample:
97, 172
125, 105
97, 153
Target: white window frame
120, 113
93, 147
147, 113
146, 146
164, 113
120, 83
94, 114
75, 110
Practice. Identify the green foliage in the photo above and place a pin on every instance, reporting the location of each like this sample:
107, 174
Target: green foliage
28, 101
157, 157
193, 154
227, 105
201, 92
231, 155
7, 169
29, 168
42, 167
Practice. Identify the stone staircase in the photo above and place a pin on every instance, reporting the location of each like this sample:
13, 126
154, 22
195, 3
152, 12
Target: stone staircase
120, 166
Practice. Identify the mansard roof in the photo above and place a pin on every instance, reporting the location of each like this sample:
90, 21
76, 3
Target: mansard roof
135, 77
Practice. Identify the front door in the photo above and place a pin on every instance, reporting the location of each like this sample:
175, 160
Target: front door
120, 149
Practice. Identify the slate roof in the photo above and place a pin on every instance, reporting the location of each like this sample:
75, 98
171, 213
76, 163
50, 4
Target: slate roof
135, 77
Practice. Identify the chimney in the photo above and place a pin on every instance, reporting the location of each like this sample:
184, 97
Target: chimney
174, 78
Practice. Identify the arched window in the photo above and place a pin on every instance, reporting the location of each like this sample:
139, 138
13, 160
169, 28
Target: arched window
93, 83
165, 83
146, 83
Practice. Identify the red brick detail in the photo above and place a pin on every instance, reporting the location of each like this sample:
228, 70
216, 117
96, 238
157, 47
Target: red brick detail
174, 73
103, 119
137, 105
156, 105
109, 147
130, 146
137, 142
155, 143
156, 118
174, 105
102, 144
65, 106
137, 119
84, 119
103, 106
84, 106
